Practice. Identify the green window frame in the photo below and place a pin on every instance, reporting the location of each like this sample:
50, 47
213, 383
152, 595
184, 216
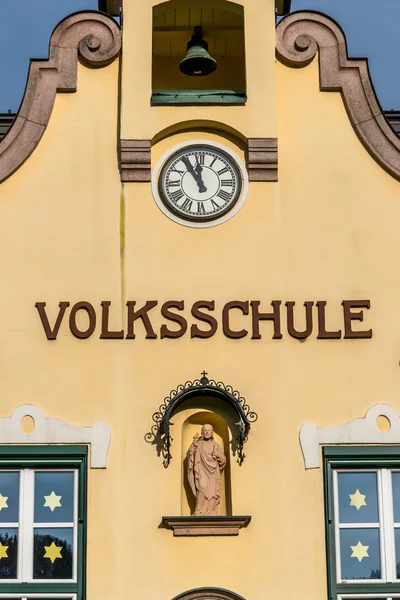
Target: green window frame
36, 466
362, 524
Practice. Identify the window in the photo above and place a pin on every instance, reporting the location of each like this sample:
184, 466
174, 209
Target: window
42, 521
363, 521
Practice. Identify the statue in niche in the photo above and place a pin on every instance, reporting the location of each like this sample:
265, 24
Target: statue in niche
205, 464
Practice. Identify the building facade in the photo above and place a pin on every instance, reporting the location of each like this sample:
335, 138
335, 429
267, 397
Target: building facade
182, 251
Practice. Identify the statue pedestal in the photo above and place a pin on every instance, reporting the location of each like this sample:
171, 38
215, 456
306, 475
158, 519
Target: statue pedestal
205, 525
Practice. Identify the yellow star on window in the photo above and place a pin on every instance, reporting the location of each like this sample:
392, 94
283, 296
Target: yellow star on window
3, 501
3, 551
52, 552
357, 500
359, 551
52, 501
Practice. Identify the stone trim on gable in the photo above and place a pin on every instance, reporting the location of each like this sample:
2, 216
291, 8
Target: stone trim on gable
92, 36
262, 159
48, 430
135, 160
299, 37
358, 431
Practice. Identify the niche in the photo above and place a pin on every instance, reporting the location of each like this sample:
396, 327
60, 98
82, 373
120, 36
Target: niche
206, 508
192, 426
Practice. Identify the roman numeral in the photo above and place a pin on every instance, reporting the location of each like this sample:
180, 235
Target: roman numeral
224, 195
175, 170
187, 205
226, 181
200, 207
222, 171
200, 158
215, 205
213, 162
177, 195
174, 183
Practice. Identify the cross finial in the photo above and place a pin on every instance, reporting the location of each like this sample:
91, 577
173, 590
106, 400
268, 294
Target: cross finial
204, 379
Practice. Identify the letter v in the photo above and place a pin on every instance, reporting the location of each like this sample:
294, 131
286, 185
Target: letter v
51, 334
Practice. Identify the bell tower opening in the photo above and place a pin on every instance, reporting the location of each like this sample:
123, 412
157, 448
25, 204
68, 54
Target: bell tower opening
198, 53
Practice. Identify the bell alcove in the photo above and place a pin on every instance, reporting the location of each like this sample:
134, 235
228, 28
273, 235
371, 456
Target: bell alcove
198, 53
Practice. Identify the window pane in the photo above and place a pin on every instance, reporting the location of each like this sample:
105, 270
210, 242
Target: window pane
360, 554
397, 550
396, 496
8, 553
9, 496
54, 497
358, 498
53, 553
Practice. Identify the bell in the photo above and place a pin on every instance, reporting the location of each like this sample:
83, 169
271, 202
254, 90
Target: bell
197, 61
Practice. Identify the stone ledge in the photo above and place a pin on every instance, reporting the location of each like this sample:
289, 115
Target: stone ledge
262, 159
199, 525
135, 160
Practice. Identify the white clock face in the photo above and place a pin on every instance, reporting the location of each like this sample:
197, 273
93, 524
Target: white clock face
200, 182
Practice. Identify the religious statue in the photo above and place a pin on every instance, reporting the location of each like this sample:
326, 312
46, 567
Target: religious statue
205, 464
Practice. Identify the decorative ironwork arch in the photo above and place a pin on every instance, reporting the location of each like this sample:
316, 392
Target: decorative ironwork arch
208, 593
160, 432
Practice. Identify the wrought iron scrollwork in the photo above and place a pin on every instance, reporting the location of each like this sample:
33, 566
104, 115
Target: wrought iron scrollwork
160, 434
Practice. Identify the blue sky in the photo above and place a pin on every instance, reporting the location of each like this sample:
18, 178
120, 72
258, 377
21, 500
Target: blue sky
25, 29
371, 27
372, 31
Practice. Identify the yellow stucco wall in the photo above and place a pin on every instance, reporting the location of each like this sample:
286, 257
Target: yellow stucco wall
328, 230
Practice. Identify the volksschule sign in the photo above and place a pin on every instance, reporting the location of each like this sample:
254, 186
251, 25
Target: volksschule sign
204, 318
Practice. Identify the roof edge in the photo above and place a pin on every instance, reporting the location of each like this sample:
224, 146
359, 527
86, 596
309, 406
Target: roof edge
299, 37
92, 36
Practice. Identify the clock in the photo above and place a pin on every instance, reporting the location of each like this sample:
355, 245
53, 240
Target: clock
199, 183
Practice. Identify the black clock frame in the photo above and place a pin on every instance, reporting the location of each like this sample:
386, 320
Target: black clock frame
200, 146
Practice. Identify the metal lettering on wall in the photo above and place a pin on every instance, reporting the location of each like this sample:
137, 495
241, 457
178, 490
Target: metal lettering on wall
202, 320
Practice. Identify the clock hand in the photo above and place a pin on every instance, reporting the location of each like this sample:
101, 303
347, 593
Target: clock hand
198, 168
196, 176
200, 182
